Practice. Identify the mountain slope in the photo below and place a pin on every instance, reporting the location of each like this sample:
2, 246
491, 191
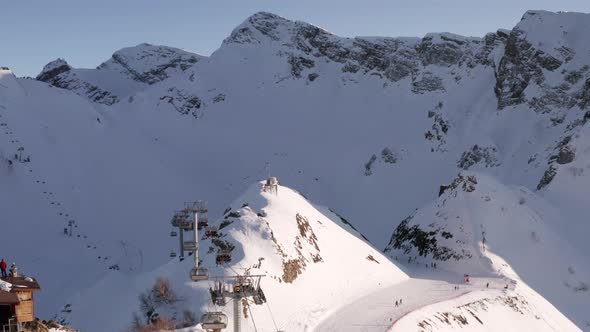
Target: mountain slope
128, 71
370, 126
313, 263
483, 228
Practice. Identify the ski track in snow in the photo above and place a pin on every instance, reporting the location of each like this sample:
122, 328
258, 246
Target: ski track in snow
378, 309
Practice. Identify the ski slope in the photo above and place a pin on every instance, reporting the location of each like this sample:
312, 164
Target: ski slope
438, 305
369, 126
318, 242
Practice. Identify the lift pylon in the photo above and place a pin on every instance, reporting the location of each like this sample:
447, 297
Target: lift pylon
194, 211
236, 288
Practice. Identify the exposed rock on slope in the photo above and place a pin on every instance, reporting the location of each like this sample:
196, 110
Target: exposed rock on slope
478, 223
318, 107
123, 74
299, 247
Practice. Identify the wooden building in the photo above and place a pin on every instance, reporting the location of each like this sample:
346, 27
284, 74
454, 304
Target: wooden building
18, 305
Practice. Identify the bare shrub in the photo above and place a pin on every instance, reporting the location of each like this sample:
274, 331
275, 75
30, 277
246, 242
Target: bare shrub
163, 292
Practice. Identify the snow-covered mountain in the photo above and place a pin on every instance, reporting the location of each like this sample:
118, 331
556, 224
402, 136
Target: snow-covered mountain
369, 126
128, 71
304, 251
481, 227
319, 276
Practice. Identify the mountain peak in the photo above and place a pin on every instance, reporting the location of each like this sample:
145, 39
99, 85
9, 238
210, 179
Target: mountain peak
53, 69
149, 63
263, 26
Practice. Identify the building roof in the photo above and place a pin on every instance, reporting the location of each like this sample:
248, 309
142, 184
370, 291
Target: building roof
8, 298
23, 283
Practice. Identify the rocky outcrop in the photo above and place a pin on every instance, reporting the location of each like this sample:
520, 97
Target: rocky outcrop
445, 51
517, 68
60, 74
465, 183
184, 102
53, 69
298, 64
150, 64
439, 128
310, 253
566, 155
389, 156
369, 165
424, 241
547, 177
145, 64
475, 155
392, 59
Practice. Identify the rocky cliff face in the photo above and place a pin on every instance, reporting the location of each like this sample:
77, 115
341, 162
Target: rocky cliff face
128, 71
150, 64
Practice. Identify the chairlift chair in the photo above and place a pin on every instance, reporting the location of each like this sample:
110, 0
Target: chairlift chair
217, 297
173, 234
202, 223
200, 273
189, 246
213, 321
224, 256
172, 254
186, 224
259, 297
211, 231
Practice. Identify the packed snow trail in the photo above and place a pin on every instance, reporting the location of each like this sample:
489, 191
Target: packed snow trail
379, 311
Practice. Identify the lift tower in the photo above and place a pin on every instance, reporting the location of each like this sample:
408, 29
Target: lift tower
188, 220
198, 210
237, 288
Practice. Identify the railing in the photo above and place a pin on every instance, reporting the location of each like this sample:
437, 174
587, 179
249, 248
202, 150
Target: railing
12, 326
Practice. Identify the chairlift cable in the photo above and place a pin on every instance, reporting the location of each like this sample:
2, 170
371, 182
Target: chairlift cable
252, 316
272, 316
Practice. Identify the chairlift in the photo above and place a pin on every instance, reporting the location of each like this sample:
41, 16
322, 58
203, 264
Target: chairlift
211, 231
172, 254
173, 234
217, 296
202, 223
180, 219
213, 321
200, 273
186, 225
259, 297
189, 246
223, 256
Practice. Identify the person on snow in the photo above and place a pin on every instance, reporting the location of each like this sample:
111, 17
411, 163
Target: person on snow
396, 303
3, 267
400, 301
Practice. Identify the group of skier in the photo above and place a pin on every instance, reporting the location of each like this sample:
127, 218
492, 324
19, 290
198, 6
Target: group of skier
398, 302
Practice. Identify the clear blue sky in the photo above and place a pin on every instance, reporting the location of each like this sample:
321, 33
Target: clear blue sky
85, 33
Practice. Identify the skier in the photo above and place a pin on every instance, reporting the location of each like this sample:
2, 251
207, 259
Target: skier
396, 303
488, 285
3, 266
400, 301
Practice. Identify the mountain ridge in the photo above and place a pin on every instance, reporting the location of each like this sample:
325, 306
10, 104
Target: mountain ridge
372, 127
